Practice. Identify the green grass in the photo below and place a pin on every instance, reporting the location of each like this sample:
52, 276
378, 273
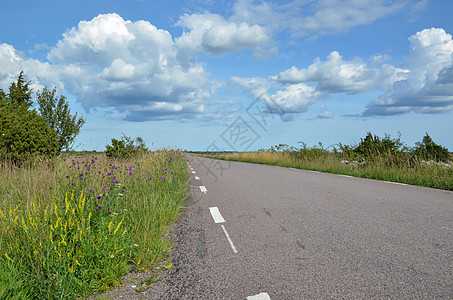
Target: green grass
74, 226
408, 171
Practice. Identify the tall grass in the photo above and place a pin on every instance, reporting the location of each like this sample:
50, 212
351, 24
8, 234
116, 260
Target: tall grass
73, 226
396, 168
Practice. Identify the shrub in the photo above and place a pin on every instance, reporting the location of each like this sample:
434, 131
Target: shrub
372, 146
24, 135
429, 150
126, 147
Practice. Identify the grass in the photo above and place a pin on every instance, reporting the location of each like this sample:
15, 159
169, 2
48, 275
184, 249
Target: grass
74, 226
388, 168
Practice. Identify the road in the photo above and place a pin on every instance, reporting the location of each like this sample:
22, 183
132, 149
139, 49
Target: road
296, 234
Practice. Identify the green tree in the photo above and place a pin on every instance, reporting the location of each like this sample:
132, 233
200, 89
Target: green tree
56, 112
24, 135
20, 92
429, 150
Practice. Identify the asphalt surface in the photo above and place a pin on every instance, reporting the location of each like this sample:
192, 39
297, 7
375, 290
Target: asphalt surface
308, 235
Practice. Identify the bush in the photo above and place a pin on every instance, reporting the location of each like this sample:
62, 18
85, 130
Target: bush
429, 150
24, 135
125, 148
373, 146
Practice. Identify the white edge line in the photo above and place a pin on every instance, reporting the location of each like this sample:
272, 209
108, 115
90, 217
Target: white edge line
447, 228
231, 242
197, 178
193, 172
215, 213
261, 296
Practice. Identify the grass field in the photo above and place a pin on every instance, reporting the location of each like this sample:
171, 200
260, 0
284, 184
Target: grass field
388, 168
73, 226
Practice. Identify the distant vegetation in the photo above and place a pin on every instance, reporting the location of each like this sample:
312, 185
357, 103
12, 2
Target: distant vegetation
384, 158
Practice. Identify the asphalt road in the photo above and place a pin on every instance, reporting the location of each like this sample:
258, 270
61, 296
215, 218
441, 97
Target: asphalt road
295, 234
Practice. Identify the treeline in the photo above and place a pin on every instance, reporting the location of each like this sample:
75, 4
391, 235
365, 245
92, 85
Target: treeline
27, 134
372, 148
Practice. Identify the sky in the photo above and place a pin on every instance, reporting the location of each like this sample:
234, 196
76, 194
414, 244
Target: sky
238, 75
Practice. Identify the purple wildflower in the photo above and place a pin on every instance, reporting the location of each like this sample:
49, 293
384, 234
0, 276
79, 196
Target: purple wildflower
115, 167
74, 162
79, 167
171, 171
88, 167
150, 178
164, 169
99, 197
108, 173
80, 176
104, 188
130, 172
67, 175
99, 207
115, 181
91, 189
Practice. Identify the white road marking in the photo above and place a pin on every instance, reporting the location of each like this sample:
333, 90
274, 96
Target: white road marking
197, 178
447, 228
215, 213
203, 189
191, 168
193, 172
395, 183
261, 296
231, 243
345, 176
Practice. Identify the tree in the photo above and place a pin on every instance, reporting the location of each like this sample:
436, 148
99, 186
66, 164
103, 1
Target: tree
126, 147
24, 135
56, 112
20, 92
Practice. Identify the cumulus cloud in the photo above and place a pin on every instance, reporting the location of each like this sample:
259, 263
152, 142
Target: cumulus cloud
109, 62
287, 101
428, 86
217, 36
335, 75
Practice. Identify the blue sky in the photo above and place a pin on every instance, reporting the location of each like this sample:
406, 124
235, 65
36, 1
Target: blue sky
238, 75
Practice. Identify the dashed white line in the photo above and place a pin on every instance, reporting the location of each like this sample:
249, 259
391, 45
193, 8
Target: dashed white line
215, 213
197, 178
231, 242
447, 228
261, 296
203, 189
193, 172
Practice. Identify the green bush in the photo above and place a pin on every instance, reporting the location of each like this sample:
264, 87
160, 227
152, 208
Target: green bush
125, 148
372, 146
24, 134
429, 150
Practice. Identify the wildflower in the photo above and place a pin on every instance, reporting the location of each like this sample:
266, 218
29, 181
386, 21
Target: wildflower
115, 181
80, 176
94, 160
73, 162
99, 197
115, 167
164, 169
130, 172
150, 178
88, 167
91, 189
108, 173
99, 207
67, 175
171, 171
79, 167
104, 188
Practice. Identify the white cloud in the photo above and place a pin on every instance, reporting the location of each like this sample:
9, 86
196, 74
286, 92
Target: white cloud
335, 75
109, 62
287, 101
428, 87
217, 36
311, 18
